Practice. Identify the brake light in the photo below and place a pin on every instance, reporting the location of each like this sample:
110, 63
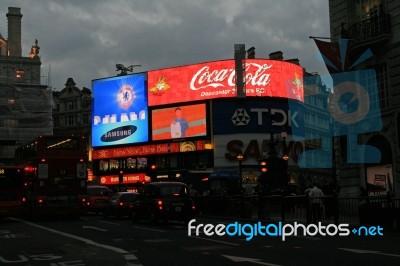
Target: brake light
176, 194
40, 200
160, 203
23, 199
193, 207
121, 204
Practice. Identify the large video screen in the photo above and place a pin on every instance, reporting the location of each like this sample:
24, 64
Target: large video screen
263, 77
119, 114
179, 122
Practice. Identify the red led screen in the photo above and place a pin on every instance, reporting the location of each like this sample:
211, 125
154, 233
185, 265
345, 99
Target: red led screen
210, 80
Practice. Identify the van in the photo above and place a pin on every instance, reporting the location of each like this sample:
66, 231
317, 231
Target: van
97, 198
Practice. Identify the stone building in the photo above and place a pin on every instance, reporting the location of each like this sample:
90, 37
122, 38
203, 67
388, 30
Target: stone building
374, 25
72, 110
25, 103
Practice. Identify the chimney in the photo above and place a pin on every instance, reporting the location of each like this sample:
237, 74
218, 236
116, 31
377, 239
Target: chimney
278, 55
14, 31
251, 53
293, 61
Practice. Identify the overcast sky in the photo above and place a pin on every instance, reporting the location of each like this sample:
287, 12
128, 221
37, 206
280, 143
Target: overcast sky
84, 39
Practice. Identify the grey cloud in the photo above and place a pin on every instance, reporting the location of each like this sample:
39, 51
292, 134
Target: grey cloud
85, 39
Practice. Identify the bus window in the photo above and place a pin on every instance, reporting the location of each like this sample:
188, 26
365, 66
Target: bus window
53, 143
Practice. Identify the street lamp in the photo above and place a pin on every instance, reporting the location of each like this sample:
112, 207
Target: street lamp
120, 179
285, 156
124, 70
240, 158
169, 160
274, 167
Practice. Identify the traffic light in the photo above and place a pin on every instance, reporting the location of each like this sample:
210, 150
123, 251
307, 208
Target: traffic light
121, 176
263, 166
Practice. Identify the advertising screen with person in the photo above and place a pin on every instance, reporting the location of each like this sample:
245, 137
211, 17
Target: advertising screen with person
179, 122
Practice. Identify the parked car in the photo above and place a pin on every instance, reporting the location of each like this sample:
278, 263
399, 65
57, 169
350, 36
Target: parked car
164, 201
97, 198
120, 204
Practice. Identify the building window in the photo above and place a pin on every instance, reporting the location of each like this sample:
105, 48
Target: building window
71, 120
162, 162
114, 164
19, 75
70, 105
141, 163
86, 103
103, 165
366, 9
85, 119
382, 80
131, 163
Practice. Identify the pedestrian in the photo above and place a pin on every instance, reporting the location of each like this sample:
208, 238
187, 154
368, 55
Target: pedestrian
316, 195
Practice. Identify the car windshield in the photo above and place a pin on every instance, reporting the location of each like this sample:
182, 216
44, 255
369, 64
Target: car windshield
128, 197
98, 192
115, 197
173, 190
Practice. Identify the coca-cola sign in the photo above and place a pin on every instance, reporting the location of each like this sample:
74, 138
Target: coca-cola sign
262, 77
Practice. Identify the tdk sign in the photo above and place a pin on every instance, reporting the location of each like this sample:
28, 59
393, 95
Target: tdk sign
254, 116
277, 117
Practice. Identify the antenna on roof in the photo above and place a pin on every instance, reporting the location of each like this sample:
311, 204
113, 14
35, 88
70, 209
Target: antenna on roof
49, 77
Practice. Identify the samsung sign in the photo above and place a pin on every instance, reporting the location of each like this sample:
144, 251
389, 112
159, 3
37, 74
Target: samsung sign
255, 116
119, 114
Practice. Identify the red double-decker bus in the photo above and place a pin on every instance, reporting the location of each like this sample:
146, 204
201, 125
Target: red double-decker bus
12, 191
55, 172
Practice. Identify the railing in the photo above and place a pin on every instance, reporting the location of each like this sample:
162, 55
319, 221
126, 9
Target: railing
368, 29
361, 210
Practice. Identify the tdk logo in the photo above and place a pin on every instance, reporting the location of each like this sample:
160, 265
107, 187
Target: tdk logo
269, 116
240, 117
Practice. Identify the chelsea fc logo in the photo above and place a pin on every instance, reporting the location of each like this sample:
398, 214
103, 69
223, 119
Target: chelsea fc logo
125, 96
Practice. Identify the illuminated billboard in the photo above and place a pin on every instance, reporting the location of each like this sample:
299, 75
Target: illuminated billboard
119, 114
380, 180
179, 122
263, 77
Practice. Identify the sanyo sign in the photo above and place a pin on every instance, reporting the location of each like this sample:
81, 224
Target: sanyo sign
253, 147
